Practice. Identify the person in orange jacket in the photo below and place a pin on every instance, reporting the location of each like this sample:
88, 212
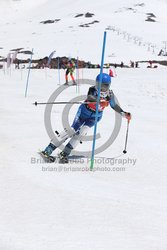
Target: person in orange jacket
70, 70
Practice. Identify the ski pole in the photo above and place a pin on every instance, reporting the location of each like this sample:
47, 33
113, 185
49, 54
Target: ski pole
126, 139
45, 103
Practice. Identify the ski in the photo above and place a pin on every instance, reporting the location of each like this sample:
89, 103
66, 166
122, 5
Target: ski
47, 158
75, 158
52, 159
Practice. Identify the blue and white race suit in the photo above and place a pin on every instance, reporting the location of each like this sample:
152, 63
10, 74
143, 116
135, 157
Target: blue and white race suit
87, 112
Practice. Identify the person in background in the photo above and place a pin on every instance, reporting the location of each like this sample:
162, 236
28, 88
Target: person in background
122, 64
70, 70
112, 72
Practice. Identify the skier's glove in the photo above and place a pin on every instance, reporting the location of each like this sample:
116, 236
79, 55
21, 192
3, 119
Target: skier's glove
128, 116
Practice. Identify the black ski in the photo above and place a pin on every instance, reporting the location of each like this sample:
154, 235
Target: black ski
47, 158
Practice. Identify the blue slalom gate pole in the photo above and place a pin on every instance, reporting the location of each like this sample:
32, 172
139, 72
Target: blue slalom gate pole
98, 101
28, 73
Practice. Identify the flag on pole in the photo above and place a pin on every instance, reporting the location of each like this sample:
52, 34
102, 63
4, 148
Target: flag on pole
28, 73
8, 60
14, 56
50, 57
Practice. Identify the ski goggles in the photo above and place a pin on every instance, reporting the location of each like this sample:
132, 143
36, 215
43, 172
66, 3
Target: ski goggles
104, 86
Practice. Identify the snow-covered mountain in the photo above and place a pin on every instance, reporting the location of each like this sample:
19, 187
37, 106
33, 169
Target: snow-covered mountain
73, 32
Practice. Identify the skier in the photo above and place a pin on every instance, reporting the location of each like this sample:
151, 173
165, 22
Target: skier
70, 69
85, 117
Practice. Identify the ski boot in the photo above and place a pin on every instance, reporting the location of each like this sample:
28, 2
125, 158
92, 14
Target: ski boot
48, 150
46, 154
63, 157
66, 83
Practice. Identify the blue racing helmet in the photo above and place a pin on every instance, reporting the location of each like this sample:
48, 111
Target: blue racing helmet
105, 81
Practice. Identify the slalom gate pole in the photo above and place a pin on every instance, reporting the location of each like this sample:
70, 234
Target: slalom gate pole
28, 73
97, 103
58, 65
21, 70
126, 139
77, 76
46, 73
115, 73
4, 67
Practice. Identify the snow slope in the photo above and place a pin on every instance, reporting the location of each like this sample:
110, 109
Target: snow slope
46, 207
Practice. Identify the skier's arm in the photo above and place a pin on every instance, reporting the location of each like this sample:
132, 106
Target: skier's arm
113, 103
118, 109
